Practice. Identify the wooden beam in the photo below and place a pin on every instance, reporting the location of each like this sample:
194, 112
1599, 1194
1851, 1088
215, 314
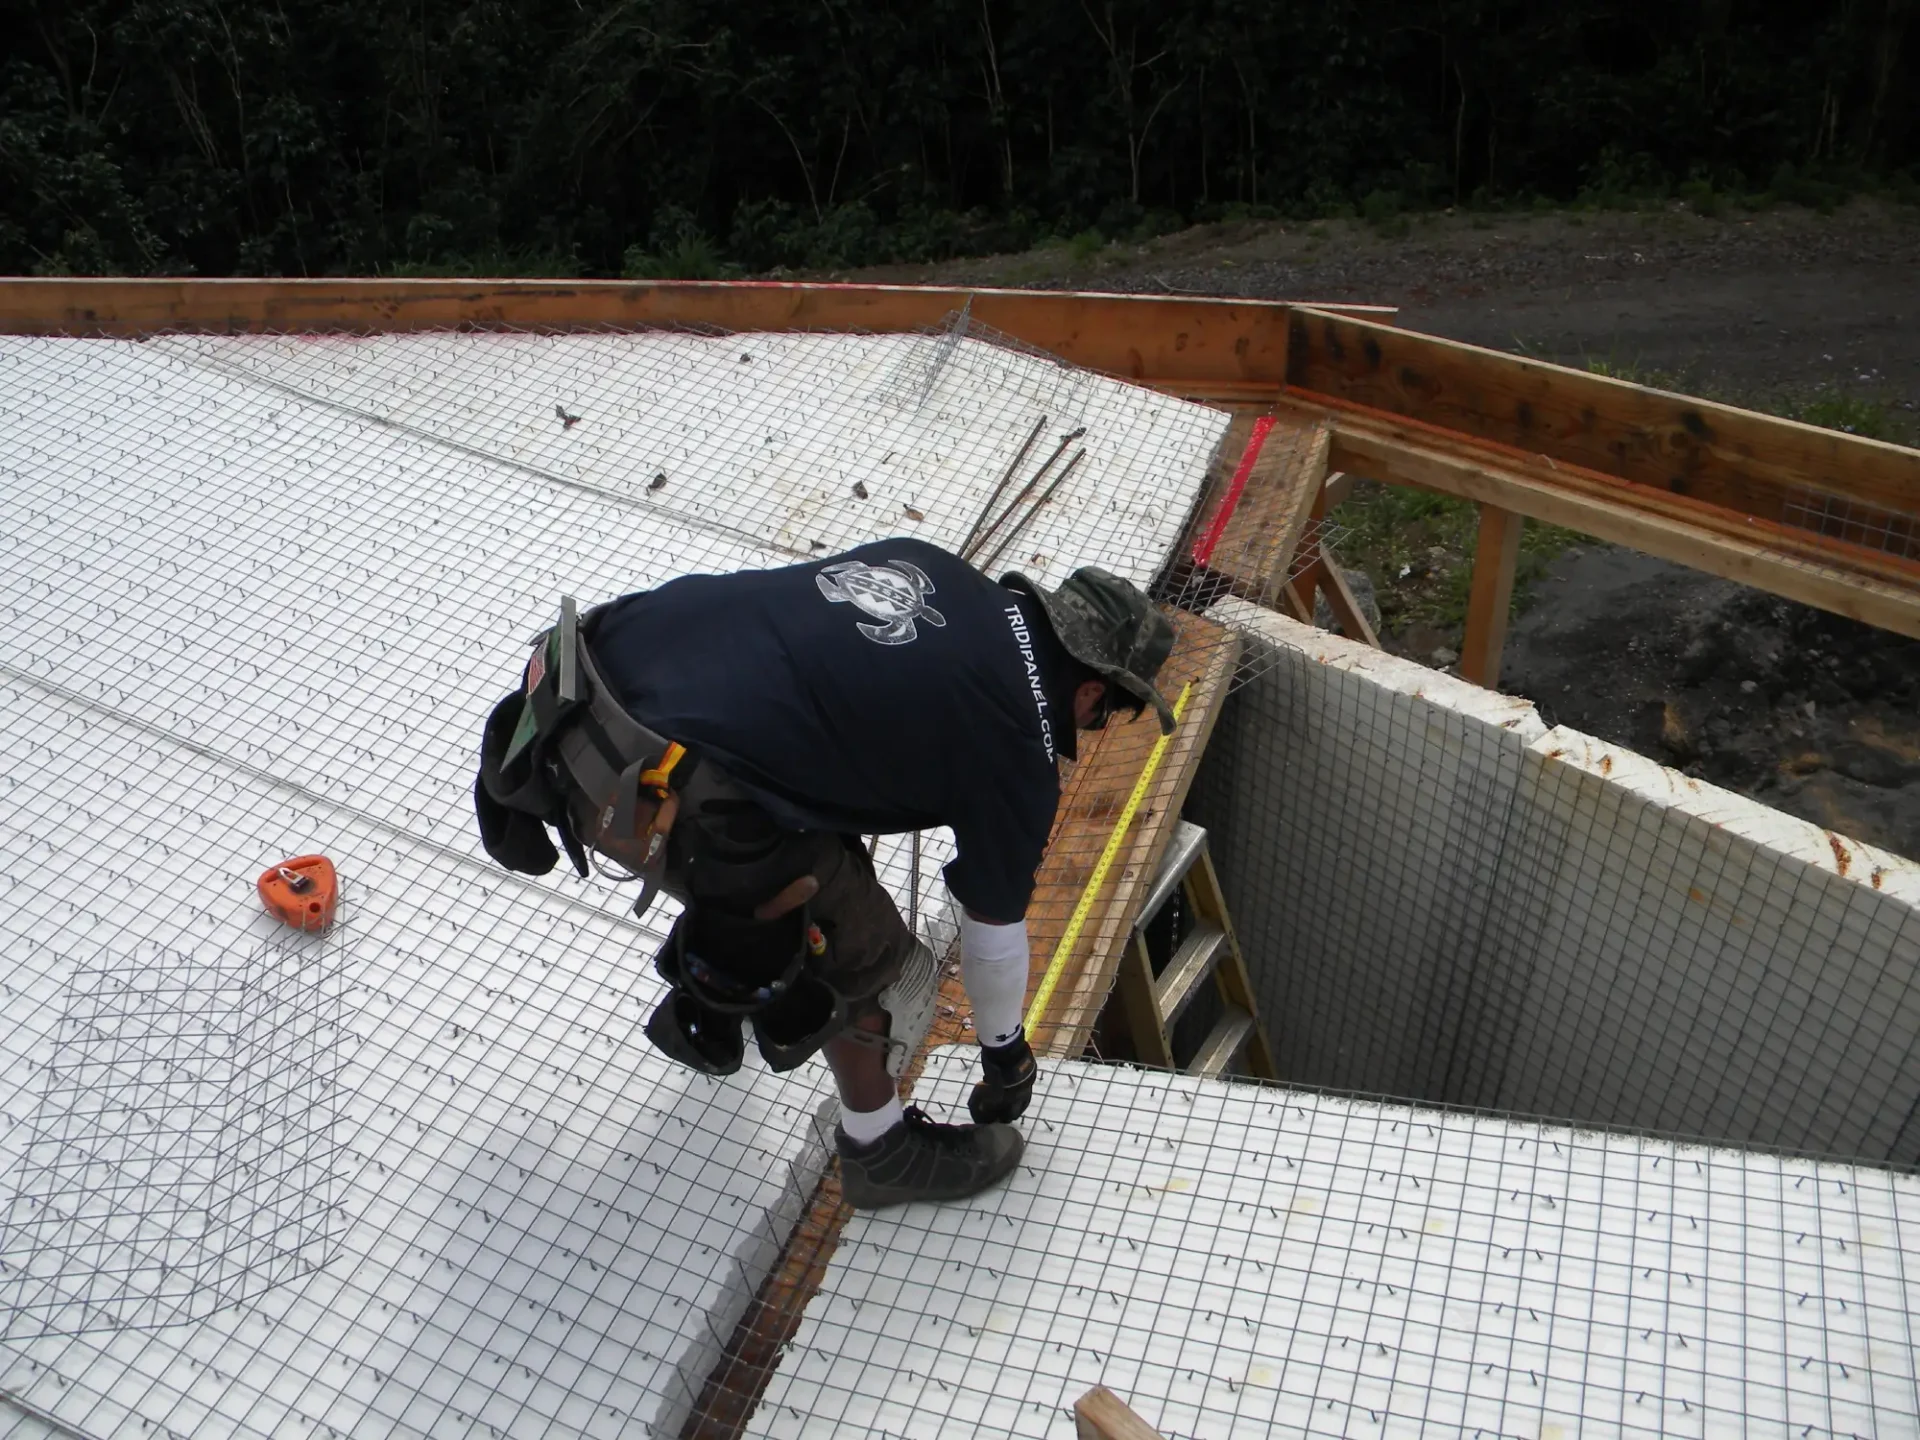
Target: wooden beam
1613, 511
1169, 340
1259, 502
1491, 598
1786, 539
1102, 1415
1340, 600
1203, 656
1677, 443
1296, 599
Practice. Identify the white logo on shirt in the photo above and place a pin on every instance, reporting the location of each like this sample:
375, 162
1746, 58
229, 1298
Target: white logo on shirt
894, 593
1023, 637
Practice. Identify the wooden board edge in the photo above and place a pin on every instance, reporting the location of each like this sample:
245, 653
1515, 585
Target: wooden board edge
1199, 342
1102, 1415
1083, 993
1593, 423
1865, 598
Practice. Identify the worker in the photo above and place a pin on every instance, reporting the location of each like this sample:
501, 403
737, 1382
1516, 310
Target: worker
729, 739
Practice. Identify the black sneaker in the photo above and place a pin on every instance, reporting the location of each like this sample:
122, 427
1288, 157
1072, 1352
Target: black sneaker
924, 1160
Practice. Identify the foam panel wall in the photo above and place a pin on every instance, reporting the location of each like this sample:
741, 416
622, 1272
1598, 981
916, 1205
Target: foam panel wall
1359, 807
423, 1175
468, 1193
1440, 898
1233, 1259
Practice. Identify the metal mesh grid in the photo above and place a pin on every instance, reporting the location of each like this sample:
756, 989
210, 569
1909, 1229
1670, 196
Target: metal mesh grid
1441, 898
180, 1157
1856, 522
260, 592
1249, 1260
541, 1214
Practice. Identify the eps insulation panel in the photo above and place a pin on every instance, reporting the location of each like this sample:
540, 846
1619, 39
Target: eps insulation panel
1233, 1259
1441, 898
421, 1175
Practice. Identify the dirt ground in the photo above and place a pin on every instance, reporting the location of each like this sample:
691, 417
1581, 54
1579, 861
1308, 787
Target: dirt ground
1754, 306
1816, 715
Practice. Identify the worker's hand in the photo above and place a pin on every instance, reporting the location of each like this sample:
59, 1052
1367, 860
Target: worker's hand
1006, 1084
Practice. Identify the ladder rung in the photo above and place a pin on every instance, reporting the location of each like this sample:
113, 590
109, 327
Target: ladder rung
1227, 1039
1185, 847
1191, 964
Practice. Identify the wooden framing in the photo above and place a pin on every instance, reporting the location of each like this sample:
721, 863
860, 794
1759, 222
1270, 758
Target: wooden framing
1491, 599
1873, 586
1196, 345
1736, 459
1102, 1415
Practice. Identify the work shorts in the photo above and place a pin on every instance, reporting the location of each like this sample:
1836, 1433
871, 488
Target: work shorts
725, 850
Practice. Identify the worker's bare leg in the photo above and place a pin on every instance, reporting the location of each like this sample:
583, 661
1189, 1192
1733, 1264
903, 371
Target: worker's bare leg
860, 1066
915, 1159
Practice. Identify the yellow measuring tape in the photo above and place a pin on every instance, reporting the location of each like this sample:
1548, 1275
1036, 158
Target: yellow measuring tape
1051, 980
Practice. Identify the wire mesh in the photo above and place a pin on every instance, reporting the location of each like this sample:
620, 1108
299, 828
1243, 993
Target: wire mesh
1445, 900
181, 1157
1891, 532
1236, 1259
260, 591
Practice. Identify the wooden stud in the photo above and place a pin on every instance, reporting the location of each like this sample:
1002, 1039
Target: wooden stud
1491, 598
1295, 604
1102, 1415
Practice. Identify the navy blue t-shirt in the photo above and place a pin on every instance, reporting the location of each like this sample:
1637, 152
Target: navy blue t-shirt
889, 689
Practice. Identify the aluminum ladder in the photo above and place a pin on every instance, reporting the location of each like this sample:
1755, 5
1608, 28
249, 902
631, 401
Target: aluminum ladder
1153, 1002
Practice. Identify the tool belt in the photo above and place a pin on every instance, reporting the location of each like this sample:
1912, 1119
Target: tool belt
564, 735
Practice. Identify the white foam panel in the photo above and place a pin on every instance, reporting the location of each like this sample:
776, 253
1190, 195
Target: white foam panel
1242, 1260
259, 595
1441, 899
508, 1210
765, 437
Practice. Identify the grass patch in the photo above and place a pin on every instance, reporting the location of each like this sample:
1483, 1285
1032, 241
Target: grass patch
1854, 414
1417, 547
1631, 370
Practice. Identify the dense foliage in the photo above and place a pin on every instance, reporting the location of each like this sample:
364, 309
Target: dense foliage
316, 136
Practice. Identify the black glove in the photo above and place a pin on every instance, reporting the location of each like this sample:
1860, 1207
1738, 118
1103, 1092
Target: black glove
1006, 1086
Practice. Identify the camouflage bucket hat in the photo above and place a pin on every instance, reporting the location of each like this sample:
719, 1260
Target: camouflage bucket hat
1112, 628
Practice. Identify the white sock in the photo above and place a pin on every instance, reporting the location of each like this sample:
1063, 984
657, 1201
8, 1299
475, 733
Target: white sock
863, 1127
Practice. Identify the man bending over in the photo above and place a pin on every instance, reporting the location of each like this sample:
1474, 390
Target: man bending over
730, 738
